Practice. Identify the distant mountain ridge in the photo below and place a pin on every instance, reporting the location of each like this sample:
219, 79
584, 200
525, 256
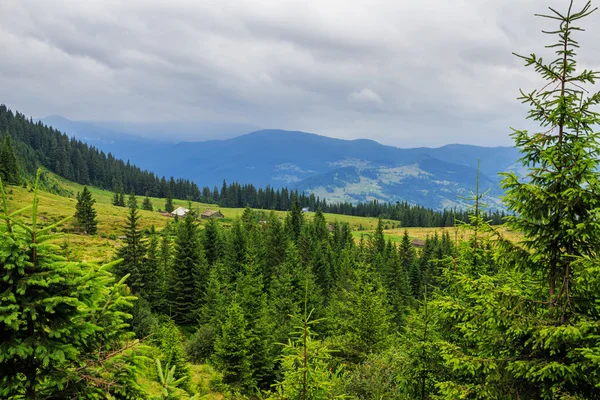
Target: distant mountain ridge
335, 169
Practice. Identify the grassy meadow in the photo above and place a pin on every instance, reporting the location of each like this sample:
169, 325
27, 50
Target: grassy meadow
101, 247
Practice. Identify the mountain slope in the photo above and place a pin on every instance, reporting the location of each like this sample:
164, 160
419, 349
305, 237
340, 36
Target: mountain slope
335, 169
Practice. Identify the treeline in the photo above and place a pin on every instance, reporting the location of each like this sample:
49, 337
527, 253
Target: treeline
36, 144
409, 215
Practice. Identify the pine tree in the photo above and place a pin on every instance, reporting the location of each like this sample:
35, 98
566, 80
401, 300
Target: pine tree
189, 274
85, 213
360, 315
231, 350
531, 329
168, 339
275, 244
61, 323
147, 204
212, 242
306, 366
294, 221
397, 283
377, 240
115, 198
133, 251
252, 299
154, 289
237, 247
169, 202
9, 172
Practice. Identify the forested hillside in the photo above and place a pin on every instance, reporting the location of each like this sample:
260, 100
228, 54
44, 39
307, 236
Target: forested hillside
352, 171
293, 306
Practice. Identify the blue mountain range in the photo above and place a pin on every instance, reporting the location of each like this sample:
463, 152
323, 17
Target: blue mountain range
335, 169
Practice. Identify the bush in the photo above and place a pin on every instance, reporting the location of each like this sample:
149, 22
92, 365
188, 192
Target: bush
201, 345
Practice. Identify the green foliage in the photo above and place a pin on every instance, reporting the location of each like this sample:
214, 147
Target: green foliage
212, 242
530, 330
360, 316
201, 345
306, 367
168, 339
231, 350
188, 276
147, 204
169, 202
118, 196
62, 324
133, 251
252, 299
155, 288
9, 171
168, 382
294, 221
85, 213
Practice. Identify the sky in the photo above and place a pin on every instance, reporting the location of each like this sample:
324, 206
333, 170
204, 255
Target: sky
402, 72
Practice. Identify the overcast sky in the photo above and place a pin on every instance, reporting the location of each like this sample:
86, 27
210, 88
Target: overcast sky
402, 72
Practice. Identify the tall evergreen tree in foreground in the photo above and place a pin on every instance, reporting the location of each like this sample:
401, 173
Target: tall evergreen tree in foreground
188, 275
85, 213
231, 350
9, 172
531, 329
133, 250
61, 323
306, 370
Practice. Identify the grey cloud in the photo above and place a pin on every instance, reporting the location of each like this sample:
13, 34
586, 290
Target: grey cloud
401, 72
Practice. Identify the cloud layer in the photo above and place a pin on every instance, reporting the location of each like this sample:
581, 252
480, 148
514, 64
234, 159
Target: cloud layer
407, 73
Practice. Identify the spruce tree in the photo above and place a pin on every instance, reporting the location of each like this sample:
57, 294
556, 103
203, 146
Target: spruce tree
133, 251
147, 204
237, 247
294, 221
360, 315
231, 350
212, 242
61, 323
9, 171
115, 198
169, 202
189, 274
531, 329
306, 365
397, 283
377, 240
85, 213
154, 289
253, 301
275, 244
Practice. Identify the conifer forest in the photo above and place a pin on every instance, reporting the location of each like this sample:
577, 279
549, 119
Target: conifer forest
278, 303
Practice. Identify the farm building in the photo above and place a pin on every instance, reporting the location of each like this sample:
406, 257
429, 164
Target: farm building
418, 243
305, 209
209, 214
180, 212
